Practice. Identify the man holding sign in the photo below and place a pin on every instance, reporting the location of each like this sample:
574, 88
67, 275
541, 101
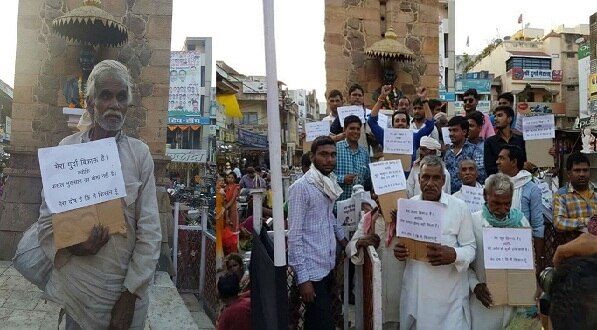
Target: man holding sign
436, 292
497, 212
102, 282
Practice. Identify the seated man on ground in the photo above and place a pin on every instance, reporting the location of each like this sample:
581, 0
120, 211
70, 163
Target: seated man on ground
236, 313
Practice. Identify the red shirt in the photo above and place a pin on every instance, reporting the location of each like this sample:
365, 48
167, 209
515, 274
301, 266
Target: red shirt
236, 316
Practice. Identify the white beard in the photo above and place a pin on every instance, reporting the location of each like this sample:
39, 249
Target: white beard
108, 125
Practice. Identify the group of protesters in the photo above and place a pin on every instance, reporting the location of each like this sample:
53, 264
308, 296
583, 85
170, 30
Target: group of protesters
449, 290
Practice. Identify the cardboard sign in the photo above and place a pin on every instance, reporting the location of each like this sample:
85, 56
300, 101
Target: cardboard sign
405, 160
446, 135
420, 220
512, 287
509, 266
473, 197
73, 227
346, 212
538, 127
316, 129
80, 175
508, 248
387, 176
356, 110
537, 152
398, 141
388, 203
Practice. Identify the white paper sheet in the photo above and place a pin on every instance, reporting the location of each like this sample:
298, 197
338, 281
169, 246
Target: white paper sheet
387, 176
398, 141
420, 220
473, 197
79, 175
446, 135
356, 110
345, 211
316, 129
538, 127
508, 248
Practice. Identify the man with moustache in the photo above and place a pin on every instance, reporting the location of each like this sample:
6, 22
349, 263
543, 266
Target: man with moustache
471, 99
467, 171
435, 293
102, 283
576, 202
313, 232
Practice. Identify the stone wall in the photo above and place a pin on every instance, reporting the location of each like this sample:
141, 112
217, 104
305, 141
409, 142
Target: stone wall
353, 25
45, 61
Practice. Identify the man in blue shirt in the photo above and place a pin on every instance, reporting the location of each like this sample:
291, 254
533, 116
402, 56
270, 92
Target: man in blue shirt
352, 165
459, 150
313, 232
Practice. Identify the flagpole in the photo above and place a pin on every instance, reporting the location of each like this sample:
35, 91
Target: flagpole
273, 122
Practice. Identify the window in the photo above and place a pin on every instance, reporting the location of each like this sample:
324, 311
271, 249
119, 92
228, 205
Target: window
571, 88
528, 63
446, 46
249, 118
570, 55
202, 76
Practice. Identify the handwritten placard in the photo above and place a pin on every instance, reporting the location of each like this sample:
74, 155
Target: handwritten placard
387, 176
538, 127
385, 118
446, 135
508, 248
420, 220
351, 110
79, 175
473, 197
316, 129
346, 213
398, 141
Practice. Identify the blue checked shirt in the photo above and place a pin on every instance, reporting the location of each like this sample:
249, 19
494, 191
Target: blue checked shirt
571, 211
312, 232
452, 160
350, 162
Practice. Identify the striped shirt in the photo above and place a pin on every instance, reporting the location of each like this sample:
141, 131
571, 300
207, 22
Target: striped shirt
312, 232
572, 210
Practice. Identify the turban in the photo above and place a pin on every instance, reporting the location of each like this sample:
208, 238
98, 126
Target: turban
430, 143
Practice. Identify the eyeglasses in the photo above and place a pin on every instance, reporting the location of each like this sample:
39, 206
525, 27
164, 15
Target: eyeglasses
469, 100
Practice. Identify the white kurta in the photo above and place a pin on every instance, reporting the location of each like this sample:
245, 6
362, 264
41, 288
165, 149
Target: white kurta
436, 297
496, 317
392, 269
88, 287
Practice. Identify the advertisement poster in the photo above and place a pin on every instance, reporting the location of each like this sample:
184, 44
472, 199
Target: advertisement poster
185, 85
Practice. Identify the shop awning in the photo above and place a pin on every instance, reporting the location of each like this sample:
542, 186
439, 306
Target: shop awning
184, 127
231, 107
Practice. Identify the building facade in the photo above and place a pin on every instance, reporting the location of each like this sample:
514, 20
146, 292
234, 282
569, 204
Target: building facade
538, 68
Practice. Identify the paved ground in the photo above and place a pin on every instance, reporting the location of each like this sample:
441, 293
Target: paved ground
22, 306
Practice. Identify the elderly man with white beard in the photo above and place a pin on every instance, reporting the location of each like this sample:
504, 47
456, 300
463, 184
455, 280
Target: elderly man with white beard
435, 294
102, 283
497, 212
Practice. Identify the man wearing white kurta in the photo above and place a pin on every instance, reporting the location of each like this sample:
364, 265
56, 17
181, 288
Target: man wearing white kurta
370, 231
497, 212
435, 293
102, 283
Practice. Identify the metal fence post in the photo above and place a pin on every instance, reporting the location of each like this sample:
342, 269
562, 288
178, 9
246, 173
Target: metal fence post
175, 241
204, 209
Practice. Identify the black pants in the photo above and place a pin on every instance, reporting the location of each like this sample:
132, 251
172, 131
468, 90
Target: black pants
318, 314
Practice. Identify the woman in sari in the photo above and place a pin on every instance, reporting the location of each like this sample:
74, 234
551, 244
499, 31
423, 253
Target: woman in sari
231, 229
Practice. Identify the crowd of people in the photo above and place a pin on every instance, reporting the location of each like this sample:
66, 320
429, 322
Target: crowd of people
450, 288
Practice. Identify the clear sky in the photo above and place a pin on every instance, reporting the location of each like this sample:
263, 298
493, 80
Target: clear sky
236, 27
